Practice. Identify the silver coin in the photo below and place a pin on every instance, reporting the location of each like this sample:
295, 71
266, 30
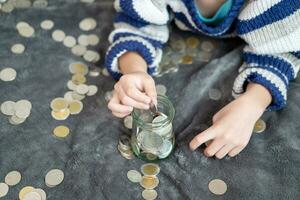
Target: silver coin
22, 4
77, 96
108, 95
32, 196
40, 4
152, 141
3, 189
21, 24
161, 89
134, 176
217, 186
124, 142
69, 41
13, 178
54, 177
91, 56
71, 85
82, 89
87, 24
26, 31
207, 46
149, 194
47, 24
94, 72
83, 40
165, 149
214, 94
93, 39
7, 7
93, 89
68, 96
22, 108
8, 74
18, 48
58, 35
105, 72
8, 108
14, 120
128, 122
41, 192
78, 50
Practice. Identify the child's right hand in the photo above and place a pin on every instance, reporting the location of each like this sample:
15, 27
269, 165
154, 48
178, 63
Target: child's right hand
133, 90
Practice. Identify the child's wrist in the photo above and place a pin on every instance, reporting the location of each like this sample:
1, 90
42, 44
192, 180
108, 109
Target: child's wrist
132, 62
259, 95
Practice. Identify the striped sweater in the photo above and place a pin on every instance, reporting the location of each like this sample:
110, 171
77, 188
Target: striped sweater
271, 29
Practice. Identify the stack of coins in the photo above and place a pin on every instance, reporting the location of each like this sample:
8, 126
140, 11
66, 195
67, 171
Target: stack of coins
124, 147
17, 112
31, 193
149, 181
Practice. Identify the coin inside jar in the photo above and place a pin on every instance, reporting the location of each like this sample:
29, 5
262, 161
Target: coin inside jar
149, 182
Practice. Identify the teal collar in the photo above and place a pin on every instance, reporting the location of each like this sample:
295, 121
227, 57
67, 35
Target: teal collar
220, 14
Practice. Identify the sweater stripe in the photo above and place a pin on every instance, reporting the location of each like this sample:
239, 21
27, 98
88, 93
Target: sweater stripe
120, 17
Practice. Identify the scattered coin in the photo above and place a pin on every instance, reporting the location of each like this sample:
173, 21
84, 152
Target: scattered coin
13, 178
78, 79
161, 89
192, 42
8, 108
91, 56
3, 189
150, 169
24, 191
214, 94
47, 24
87, 24
93, 39
108, 95
22, 109
134, 176
94, 72
207, 46
187, 60
149, 194
93, 89
32, 196
18, 48
78, 50
82, 89
75, 107
71, 85
83, 40
60, 115
124, 142
105, 72
260, 126
42, 193
26, 31
61, 131
128, 122
204, 56
178, 45
217, 187
58, 35
68, 96
77, 96
21, 24
151, 156
14, 120
8, 74
54, 177
7, 7
149, 182
40, 4
59, 104
69, 41
78, 68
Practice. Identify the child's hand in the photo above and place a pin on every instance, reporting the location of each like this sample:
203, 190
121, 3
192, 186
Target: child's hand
134, 90
233, 125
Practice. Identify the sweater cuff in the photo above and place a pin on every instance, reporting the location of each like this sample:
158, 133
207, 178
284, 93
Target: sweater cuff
269, 78
130, 44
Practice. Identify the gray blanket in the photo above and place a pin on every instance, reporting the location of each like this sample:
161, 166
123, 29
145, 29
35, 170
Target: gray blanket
267, 169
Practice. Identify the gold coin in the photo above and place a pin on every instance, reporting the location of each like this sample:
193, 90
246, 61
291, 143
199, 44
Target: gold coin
149, 182
151, 156
150, 169
24, 191
217, 187
75, 107
187, 60
78, 79
59, 104
78, 68
192, 42
61, 131
60, 115
260, 126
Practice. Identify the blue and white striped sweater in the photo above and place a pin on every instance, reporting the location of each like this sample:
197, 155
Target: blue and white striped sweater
271, 29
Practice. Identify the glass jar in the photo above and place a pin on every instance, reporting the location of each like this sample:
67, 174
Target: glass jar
152, 136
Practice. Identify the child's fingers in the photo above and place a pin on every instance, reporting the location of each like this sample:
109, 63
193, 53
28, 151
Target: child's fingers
235, 151
201, 138
120, 115
214, 147
126, 100
224, 151
137, 95
115, 106
150, 90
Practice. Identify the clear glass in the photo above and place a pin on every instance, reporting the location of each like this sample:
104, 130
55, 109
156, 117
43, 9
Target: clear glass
153, 137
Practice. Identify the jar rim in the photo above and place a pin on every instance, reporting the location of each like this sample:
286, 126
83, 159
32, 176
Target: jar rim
170, 117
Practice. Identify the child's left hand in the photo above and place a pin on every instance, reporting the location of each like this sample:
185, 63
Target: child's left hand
233, 125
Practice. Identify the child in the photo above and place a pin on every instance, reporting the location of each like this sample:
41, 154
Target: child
271, 29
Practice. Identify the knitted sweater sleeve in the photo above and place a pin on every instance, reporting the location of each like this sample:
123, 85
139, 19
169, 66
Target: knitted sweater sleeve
140, 26
271, 29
